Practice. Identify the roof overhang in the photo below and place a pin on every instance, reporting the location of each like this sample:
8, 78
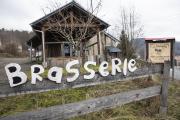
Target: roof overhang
159, 39
69, 5
112, 49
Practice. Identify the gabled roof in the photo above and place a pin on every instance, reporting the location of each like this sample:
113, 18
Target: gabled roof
69, 5
112, 37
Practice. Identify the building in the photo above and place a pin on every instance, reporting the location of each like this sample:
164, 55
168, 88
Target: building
108, 45
95, 44
177, 60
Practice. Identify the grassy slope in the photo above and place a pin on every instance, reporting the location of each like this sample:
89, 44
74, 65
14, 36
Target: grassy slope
146, 109
142, 110
20, 103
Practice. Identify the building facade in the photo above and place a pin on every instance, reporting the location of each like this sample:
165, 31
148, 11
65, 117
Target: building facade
56, 35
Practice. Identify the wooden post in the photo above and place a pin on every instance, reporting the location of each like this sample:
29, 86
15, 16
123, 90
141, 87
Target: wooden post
43, 49
164, 89
173, 56
98, 42
35, 54
62, 49
31, 52
98, 45
38, 54
70, 50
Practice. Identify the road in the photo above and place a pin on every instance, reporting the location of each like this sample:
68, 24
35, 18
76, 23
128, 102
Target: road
176, 73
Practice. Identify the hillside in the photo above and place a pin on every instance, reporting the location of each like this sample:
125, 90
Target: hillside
15, 36
20, 37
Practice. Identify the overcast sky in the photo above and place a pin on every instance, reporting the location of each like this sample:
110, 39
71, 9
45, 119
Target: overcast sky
161, 18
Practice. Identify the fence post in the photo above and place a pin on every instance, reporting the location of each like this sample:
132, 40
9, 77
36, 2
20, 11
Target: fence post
164, 89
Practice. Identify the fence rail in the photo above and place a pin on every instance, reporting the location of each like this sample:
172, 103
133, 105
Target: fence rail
74, 109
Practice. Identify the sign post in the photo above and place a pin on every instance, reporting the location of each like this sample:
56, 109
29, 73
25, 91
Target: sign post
159, 50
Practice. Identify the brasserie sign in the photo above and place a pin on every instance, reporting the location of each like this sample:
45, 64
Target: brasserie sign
17, 77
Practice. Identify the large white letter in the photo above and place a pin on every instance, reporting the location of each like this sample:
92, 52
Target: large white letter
36, 70
131, 65
116, 66
125, 67
76, 71
55, 74
14, 75
103, 66
92, 72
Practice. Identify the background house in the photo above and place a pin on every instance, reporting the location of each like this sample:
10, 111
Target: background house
97, 45
108, 45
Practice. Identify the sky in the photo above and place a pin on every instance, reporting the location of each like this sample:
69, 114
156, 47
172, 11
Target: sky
160, 18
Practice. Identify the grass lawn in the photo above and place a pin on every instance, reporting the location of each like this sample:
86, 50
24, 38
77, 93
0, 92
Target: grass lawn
142, 110
11, 105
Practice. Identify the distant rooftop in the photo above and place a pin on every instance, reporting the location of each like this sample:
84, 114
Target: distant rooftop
160, 39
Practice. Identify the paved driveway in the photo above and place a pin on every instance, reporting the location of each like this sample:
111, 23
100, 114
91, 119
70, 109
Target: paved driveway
176, 73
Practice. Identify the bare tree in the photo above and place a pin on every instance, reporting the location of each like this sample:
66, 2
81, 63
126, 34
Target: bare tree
127, 50
131, 24
11, 48
73, 28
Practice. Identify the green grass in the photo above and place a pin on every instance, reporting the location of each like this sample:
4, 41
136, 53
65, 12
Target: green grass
12, 105
174, 100
134, 111
141, 110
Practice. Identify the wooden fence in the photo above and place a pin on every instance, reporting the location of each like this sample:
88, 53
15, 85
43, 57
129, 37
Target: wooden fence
87, 106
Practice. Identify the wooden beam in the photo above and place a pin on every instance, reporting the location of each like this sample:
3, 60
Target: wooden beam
98, 45
62, 49
173, 57
56, 42
31, 52
98, 41
164, 91
96, 25
60, 21
68, 25
72, 18
43, 48
92, 44
71, 50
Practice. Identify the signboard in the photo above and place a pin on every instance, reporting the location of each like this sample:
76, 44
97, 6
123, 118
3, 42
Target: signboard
159, 52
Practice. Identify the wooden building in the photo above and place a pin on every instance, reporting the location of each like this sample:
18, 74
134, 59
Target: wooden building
108, 45
54, 45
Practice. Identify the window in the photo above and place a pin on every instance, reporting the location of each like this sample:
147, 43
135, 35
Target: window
66, 49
